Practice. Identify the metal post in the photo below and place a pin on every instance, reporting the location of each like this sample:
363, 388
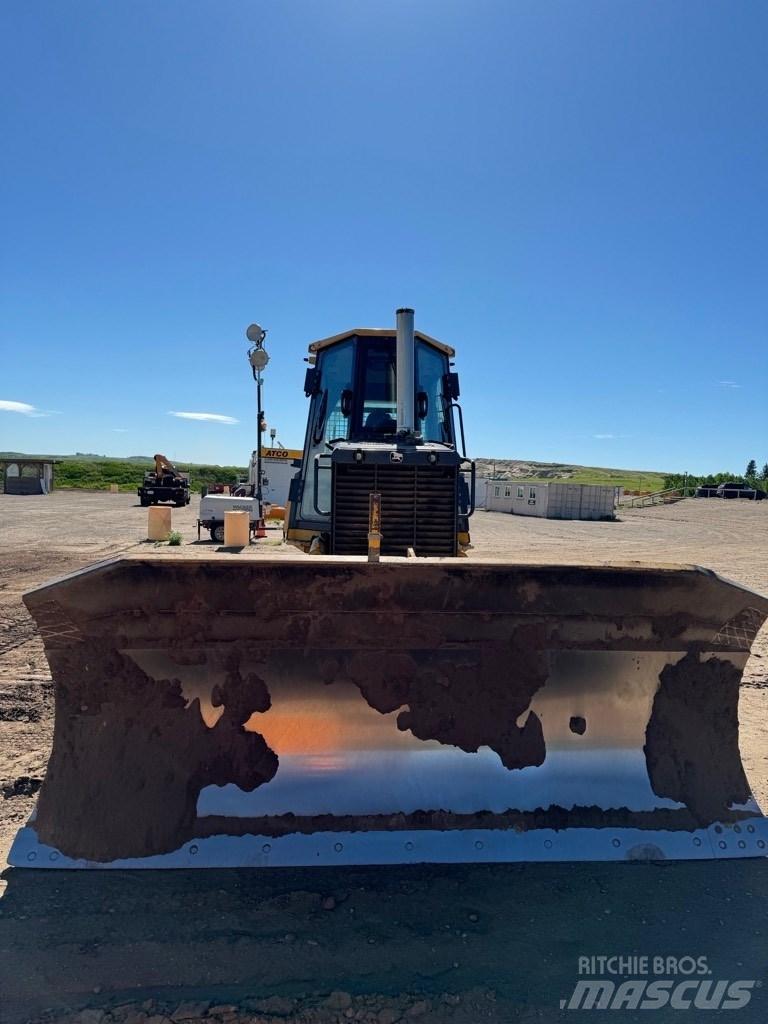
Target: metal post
258, 442
374, 526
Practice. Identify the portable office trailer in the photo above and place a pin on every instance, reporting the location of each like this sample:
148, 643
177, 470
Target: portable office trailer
552, 500
482, 485
278, 467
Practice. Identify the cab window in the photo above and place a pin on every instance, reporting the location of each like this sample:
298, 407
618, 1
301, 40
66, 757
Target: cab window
378, 386
326, 422
431, 364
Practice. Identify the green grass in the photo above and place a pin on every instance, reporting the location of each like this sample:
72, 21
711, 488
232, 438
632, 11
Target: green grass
626, 478
629, 479
94, 474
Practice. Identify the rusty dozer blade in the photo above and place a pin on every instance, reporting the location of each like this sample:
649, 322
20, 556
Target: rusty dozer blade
295, 712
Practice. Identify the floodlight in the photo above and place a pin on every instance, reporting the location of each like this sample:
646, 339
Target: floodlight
256, 334
258, 358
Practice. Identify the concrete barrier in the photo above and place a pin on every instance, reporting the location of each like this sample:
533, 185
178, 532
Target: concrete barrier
158, 522
237, 528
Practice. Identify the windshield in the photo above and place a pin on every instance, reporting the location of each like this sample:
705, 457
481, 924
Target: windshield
379, 389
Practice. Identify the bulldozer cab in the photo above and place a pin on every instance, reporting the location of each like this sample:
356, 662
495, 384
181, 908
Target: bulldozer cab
358, 442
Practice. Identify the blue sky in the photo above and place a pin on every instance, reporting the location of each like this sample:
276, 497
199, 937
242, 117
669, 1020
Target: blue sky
574, 195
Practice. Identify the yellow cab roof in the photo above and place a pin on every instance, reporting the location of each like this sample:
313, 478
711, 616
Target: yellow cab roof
378, 332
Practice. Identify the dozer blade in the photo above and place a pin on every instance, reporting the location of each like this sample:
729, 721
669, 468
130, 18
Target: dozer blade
295, 712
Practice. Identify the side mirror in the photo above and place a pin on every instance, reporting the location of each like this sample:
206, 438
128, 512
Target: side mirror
346, 403
312, 381
422, 405
451, 389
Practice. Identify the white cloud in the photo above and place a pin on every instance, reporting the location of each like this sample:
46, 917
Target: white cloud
119, 430
728, 384
23, 408
605, 437
209, 417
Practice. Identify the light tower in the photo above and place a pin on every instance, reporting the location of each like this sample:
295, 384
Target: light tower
258, 359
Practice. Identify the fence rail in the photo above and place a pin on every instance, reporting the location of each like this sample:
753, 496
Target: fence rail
672, 494
665, 497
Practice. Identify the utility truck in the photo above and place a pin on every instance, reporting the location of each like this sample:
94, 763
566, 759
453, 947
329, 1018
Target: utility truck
164, 483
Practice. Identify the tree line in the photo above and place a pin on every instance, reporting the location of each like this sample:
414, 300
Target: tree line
750, 478
97, 475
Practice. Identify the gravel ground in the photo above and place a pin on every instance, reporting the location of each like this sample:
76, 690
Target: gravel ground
462, 944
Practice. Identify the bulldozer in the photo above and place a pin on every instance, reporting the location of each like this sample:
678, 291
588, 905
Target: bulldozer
386, 701
381, 421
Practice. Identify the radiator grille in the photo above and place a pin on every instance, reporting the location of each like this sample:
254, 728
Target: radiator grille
418, 508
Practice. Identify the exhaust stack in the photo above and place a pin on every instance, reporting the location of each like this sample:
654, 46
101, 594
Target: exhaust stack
406, 372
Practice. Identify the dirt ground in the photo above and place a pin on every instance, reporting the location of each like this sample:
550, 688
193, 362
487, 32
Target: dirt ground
464, 944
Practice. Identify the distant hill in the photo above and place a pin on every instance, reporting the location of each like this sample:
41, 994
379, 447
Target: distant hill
522, 469
79, 457
97, 472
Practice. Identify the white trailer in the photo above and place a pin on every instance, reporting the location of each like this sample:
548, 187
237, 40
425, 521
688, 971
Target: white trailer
213, 507
278, 466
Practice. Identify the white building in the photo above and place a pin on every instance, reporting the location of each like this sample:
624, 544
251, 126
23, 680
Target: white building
552, 500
